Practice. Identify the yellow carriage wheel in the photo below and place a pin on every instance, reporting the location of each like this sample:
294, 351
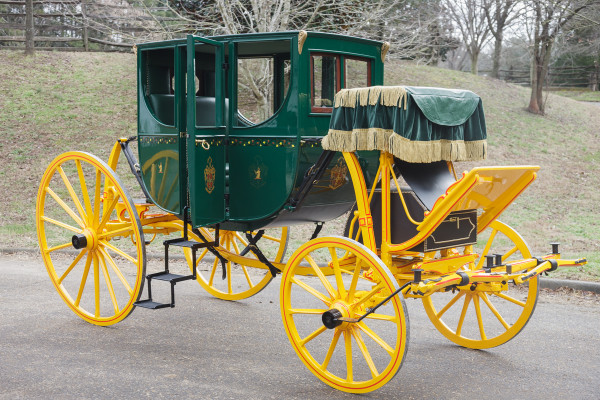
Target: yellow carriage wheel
242, 281
352, 357
481, 319
97, 270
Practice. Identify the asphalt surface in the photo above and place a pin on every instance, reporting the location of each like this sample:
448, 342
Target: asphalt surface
206, 348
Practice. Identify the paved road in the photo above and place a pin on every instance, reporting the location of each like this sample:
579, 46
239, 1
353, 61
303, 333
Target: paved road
211, 349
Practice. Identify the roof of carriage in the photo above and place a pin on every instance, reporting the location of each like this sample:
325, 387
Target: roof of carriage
266, 36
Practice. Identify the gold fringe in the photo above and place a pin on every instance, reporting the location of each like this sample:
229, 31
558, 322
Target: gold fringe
404, 149
389, 96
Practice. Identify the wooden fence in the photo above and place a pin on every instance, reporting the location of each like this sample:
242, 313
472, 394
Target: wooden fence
558, 77
77, 25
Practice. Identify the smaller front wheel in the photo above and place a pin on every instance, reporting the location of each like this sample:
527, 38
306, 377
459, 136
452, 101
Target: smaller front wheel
352, 357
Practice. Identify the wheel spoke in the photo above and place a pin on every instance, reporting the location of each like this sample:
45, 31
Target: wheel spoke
486, 250
354, 282
117, 232
311, 290
74, 197
334, 342
116, 269
314, 311
463, 314
119, 252
450, 304
365, 352
338, 274
84, 277
65, 207
96, 286
383, 317
212, 272
348, 347
510, 253
84, 191
376, 338
109, 285
479, 318
511, 299
494, 311
229, 277
73, 264
321, 277
107, 212
97, 196
273, 238
313, 335
59, 247
61, 224
373, 292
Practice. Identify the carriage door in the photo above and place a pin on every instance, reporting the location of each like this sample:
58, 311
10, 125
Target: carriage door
206, 127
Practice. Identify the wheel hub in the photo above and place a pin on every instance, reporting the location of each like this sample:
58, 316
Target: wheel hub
87, 239
79, 241
331, 318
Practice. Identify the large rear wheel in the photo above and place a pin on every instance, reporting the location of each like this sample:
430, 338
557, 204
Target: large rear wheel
487, 316
352, 357
83, 216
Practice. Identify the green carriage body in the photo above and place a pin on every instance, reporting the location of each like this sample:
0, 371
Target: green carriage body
198, 146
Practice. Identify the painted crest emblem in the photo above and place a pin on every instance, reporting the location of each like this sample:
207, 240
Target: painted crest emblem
209, 176
337, 177
258, 173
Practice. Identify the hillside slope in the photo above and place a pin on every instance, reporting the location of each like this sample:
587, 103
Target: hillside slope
56, 102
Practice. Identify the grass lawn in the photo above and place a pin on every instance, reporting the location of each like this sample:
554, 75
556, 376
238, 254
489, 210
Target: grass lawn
55, 102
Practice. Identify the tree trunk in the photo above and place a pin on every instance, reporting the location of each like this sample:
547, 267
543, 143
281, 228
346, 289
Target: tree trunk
29, 30
533, 101
497, 55
474, 61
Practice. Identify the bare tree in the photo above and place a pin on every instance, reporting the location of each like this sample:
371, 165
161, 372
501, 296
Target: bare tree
548, 18
469, 18
499, 15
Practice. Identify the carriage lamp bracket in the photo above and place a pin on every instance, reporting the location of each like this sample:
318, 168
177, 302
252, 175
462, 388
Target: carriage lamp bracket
258, 253
134, 166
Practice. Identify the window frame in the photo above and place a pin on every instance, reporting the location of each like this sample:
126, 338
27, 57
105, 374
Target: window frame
340, 75
338, 66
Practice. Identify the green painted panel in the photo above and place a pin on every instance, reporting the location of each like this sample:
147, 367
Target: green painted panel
207, 181
261, 176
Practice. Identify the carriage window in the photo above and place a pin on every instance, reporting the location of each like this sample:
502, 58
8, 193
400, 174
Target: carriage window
263, 79
158, 67
205, 86
256, 88
357, 73
325, 81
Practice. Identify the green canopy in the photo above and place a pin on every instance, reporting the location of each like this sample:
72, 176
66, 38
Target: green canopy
415, 124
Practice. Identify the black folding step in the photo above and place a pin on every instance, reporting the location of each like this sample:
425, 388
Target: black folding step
151, 304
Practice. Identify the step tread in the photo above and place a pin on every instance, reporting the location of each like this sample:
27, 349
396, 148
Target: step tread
186, 243
171, 277
151, 304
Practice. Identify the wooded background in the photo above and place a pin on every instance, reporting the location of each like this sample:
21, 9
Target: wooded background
538, 43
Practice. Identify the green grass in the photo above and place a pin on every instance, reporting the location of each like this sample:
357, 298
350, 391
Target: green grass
579, 94
55, 102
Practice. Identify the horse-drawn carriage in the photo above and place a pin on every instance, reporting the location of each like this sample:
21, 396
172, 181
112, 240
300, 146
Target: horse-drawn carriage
321, 138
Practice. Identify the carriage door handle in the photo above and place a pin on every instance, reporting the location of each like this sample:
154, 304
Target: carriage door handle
205, 144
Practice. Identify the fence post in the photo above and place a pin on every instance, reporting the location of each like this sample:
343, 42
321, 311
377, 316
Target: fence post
86, 43
29, 29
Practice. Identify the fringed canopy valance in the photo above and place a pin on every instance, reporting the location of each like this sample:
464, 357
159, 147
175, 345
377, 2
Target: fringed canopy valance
415, 124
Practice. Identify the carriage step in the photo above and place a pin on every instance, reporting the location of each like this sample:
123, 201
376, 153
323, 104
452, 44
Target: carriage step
151, 304
185, 243
168, 277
